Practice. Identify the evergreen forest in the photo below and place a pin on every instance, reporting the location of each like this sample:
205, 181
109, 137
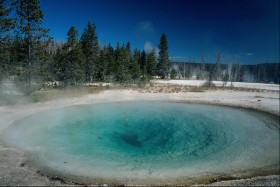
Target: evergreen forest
30, 55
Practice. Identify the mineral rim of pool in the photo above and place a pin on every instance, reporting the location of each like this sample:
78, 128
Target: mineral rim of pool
148, 140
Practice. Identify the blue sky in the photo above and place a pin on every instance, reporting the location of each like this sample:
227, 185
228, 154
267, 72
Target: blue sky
245, 30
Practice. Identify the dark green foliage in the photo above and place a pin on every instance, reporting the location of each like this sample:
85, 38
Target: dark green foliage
58, 68
240, 74
173, 74
151, 64
71, 62
211, 76
5, 65
164, 63
226, 77
134, 70
135, 66
43, 65
74, 61
110, 60
30, 18
128, 51
103, 64
143, 64
6, 22
89, 42
72, 39
121, 66
17, 55
233, 73
6, 25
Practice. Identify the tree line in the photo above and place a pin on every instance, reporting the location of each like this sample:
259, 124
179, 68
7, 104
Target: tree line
29, 53
84, 60
234, 72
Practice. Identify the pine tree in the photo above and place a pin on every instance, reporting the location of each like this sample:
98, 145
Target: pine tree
73, 60
72, 39
6, 25
30, 18
135, 66
173, 74
115, 65
122, 65
211, 75
17, 55
110, 61
57, 65
143, 65
128, 51
241, 74
103, 63
226, 77
90, 47
151, 64
44, 63
164, 63
128, 59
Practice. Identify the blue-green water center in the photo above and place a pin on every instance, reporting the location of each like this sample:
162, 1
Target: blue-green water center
148, 139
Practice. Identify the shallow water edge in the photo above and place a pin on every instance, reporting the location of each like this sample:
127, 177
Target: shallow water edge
207, 178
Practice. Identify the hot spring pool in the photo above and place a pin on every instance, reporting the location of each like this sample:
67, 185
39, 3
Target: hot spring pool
148, 140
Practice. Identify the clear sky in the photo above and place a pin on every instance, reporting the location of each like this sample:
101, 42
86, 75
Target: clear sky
247, 30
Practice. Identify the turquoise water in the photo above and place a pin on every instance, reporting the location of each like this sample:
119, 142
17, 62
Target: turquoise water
148, 139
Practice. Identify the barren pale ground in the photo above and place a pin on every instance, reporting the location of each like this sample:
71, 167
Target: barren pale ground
14, 168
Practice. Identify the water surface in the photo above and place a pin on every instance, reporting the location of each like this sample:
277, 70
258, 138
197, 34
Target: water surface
148, 140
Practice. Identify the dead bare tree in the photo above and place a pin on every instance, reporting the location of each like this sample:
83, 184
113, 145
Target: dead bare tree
218, 67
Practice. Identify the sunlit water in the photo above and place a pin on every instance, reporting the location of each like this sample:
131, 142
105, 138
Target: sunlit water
148, 139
